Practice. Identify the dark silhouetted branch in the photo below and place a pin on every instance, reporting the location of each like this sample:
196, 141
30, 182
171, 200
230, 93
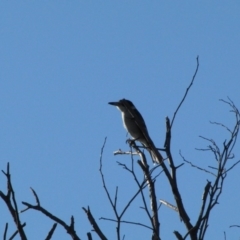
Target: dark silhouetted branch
89, 235
16, 232
94, 224
222, 156
141, 186
185, 95
49, 236
5, 232
11, 203
69, 228
195, 166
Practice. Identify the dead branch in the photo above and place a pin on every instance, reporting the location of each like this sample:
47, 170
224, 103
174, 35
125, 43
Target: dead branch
222, 156
5, 232
11, 203
234, 226
94, 224
153, 199
16, 232
169, 205
172, 178
89, 235
195, 166
141, 186
185, 95
152, 192
69, 228
49, 236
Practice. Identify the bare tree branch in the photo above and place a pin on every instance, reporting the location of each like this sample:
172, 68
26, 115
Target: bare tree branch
16, 232
169, 205
94, 224
69, 228
222, 125
128, 222
5, 232
185, 95
222, 157
11, 203
152, 193
153, 199
195, 166
234, 226
89, 236
49, 236
178, 235
172, 178
145, 168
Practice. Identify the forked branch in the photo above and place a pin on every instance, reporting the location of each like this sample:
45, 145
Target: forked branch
11, 203
69, 228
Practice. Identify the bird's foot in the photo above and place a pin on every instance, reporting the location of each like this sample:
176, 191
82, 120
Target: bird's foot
131, 142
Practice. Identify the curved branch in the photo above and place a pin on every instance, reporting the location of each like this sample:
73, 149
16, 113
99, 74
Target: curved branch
69, 228
185, 95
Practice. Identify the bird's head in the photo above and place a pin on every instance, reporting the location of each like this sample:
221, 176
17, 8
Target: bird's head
123, 104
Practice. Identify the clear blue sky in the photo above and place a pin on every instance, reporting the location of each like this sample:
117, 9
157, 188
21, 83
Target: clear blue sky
61, 63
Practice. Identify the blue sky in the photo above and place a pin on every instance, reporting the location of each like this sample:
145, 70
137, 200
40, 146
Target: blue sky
62, 62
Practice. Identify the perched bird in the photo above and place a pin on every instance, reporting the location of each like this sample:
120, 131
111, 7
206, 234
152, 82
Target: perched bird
135, 125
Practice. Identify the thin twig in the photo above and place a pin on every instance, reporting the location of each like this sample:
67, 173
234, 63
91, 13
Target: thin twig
5, 232
195, 166
185, 95
232, 166
238, 226
69, 228
49, 236
222, 157
128, 222
16, 232
10, 201
222, 125
94, 224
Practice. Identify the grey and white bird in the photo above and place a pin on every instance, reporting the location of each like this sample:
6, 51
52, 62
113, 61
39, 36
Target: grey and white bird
136, 127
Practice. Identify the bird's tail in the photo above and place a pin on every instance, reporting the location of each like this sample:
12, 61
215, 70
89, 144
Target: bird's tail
155, 154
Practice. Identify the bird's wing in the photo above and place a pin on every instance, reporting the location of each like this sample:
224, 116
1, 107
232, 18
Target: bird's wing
138, 120
156, 156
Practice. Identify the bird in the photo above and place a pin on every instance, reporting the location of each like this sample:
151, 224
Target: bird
135, 125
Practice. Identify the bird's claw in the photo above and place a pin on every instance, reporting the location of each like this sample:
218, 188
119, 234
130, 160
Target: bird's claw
131, 142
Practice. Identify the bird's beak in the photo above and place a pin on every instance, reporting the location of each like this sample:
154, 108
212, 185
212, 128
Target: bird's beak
114, 103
